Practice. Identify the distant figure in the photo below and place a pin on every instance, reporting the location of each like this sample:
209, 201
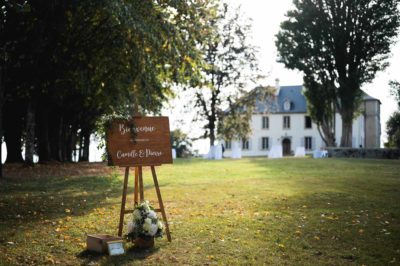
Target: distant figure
223, 150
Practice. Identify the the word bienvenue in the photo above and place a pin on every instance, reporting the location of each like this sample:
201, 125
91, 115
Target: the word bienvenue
123, 129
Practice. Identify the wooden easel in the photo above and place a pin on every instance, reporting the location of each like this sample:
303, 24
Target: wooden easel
138, 190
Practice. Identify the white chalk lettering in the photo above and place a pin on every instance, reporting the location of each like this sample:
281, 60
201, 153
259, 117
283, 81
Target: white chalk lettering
129, 154
153, 153
146, 129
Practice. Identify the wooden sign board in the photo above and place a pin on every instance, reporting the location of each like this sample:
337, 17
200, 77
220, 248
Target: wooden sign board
148, 144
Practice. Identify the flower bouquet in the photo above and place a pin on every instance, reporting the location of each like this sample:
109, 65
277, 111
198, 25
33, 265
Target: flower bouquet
144, 226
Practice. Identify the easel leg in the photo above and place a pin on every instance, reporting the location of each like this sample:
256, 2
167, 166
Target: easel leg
164, 216
136, 191
141, 191
121, 216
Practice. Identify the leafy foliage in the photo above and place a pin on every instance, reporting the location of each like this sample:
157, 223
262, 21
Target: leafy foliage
395, 85
181, 142
235, 122
339, 46
393, 130
230, 64
80, 60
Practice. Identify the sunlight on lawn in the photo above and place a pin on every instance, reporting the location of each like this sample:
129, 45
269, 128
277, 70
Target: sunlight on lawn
249, 211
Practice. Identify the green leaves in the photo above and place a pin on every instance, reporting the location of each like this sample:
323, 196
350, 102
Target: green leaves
339, 46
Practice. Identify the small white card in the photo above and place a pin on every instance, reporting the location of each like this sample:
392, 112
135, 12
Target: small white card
116, 247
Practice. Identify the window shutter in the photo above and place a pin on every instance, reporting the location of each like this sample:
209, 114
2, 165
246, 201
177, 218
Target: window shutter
302, 141
313, 143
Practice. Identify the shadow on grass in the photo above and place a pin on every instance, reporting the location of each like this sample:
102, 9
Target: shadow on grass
58, 197
131, 254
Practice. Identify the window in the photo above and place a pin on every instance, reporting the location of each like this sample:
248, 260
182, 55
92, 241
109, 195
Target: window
307, 122
245, 144
228, 144
286, 122
286, 105
265, 122
264, 143
308, 143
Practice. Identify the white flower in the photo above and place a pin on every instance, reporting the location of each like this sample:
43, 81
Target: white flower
130, 226
137, 215
153, 229
152, 215
160, 225
147, 225
145, 206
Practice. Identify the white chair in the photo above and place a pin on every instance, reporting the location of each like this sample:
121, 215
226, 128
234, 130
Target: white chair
300, 152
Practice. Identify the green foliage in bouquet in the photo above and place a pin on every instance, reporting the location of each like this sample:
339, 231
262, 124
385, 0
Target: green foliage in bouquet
144, 223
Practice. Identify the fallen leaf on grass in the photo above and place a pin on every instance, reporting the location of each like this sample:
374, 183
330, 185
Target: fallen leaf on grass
317, 238
67, 210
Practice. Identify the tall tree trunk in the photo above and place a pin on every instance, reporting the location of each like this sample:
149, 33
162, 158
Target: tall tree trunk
85, 155
44, 146
30, 133
66, 140
55, 138
347, 129
1, 116
212, 134
212, 117
71, 144
80, 146
13, 137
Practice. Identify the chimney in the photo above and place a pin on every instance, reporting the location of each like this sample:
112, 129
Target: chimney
277, 87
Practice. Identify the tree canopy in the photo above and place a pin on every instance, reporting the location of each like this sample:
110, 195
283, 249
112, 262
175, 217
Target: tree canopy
230, 64
65, 64
339, 46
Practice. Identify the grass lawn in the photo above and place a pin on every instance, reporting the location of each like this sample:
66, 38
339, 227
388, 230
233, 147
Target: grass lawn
251, 211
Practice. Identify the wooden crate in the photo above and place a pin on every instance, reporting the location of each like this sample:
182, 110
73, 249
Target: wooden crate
98, 243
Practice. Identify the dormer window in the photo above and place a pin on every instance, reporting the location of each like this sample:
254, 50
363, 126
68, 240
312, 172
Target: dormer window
286, 105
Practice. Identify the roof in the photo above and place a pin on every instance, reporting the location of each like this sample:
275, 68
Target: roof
367, 97
291, 94
295, 98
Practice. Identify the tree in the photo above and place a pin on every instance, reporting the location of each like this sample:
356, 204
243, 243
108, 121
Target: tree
181, 143
395, 91
234, 122
393, 124
230, 63
73, 62
393, 130
339, 46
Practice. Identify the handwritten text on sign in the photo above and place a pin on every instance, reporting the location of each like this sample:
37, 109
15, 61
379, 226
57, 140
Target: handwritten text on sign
141, 141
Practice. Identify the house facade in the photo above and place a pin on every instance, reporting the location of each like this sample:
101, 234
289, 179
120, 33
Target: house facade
284, 121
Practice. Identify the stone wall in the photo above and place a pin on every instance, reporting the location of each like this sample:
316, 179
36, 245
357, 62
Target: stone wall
364, 153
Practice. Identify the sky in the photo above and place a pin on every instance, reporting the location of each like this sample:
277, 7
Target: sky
266, 17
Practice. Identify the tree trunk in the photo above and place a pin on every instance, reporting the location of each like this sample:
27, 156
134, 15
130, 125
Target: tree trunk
347, 129
1, 118
85, 154
212, 135
80, 146
72, 145
44, 146
55, 138
30, 133
13, 138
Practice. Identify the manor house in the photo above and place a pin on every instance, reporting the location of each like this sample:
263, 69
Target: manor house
284, 121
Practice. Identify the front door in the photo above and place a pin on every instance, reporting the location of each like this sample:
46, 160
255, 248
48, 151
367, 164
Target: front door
286, 149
